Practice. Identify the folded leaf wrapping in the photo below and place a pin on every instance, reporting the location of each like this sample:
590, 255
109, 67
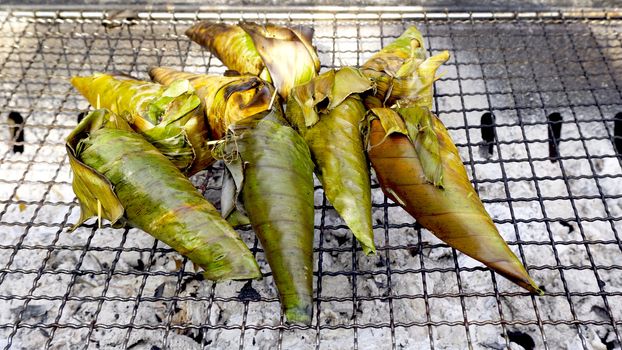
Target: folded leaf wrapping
280, 55
328, 112
121, 177
268, 177
402, 73
169, 118
225, 99
417, 163
271, 172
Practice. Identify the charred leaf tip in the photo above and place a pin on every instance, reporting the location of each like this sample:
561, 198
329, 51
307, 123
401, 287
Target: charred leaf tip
369, 250
299, 315
538, 291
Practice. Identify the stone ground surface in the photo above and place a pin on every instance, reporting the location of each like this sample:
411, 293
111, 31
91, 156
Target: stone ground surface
87, 283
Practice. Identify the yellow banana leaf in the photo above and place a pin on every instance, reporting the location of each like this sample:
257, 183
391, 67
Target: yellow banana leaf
280, 55
170, 118
225, 99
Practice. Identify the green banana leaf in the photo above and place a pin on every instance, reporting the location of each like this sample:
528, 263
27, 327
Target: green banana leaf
280, 55
261, 185
169, 118
329, 113
270, 179
225, 99
121, 177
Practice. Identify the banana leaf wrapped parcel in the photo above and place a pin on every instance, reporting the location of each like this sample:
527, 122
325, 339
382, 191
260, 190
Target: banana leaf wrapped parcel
269, 178
329, 113
225, 99
418, 165
170, 118
121, 177
280, 55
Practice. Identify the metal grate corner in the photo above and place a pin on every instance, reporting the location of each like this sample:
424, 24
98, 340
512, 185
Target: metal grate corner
530, 99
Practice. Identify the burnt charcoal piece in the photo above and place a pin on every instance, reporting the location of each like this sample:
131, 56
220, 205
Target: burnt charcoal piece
139, 342
196, 277
159, 292
610, 344
81, 116
488, 131
32, 312
140, 265
413, 250
601, 283
16, 129
568, 225
341, 240
617, 134
555, 131
248, 293
522, 339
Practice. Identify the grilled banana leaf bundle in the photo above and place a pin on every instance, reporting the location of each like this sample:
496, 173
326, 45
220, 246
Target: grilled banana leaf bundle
329, 113
419, 167
115, 173
280, 55
417, 163
269, 178
170, 118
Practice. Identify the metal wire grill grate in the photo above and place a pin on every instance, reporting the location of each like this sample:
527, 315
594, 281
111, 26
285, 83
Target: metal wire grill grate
557, 202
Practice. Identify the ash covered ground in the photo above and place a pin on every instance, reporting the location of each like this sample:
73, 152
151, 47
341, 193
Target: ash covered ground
116, 288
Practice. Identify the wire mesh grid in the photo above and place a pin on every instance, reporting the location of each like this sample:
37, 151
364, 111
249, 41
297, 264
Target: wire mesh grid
554, 196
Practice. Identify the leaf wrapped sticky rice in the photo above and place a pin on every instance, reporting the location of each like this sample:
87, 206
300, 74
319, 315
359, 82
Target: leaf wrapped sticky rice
419, 167
170, 117
269, 177
417, 163
329, 113
121, 177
